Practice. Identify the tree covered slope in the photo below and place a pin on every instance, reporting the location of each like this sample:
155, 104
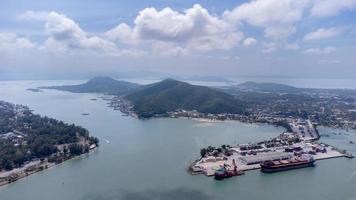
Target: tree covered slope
169, 95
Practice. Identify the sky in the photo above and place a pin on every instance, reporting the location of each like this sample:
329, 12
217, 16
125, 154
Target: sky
43, 39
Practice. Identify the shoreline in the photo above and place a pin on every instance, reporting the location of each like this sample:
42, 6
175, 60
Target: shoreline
302, 140
21, 172
127, 109
207, 120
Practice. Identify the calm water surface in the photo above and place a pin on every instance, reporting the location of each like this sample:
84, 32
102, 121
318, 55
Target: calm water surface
146, 159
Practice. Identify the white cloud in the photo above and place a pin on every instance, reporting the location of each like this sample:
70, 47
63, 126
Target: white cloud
33, 15
195, 29
320, 51
62, 29
53, 46
65, 35
168, 48
322, 33
329, 8
279, 32
277, 17
249, 42
10, 42
122, 33
166, 31
269, 47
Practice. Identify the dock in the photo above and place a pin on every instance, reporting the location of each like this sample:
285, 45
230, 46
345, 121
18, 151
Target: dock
303, 140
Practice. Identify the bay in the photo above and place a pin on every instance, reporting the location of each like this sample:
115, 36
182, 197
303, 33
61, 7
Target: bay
146, 159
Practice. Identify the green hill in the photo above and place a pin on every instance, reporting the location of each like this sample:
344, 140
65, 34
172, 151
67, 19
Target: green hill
103, 85
169, 95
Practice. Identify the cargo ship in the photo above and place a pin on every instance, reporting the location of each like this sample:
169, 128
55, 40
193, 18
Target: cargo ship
225, 172
282, 165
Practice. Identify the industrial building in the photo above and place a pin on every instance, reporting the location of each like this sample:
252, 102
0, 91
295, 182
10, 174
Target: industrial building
259, 158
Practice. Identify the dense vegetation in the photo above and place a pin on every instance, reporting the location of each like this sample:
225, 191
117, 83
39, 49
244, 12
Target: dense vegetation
104, 85
169, 95
25, 136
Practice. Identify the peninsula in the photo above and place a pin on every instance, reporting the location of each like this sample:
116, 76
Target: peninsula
30, 143
292, 149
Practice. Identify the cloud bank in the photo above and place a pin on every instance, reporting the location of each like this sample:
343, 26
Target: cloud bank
255, 37
191, 31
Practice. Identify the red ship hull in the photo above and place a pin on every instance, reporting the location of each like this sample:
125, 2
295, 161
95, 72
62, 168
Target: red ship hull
283, 167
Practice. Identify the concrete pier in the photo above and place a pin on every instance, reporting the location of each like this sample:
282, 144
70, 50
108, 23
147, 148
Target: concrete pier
286, 146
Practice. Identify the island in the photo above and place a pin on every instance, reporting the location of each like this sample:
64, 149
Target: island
101, 85
249, 102
30, 143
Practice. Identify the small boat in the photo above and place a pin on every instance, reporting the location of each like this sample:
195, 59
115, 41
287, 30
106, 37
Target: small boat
351, 142
349, 155
85, 113
224, 172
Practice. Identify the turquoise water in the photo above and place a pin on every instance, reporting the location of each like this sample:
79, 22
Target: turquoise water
146, 159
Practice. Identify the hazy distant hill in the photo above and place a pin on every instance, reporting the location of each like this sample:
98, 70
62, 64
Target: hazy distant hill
104, 85
268, 87
169, 95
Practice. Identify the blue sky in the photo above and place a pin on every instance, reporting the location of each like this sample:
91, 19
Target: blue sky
284, 38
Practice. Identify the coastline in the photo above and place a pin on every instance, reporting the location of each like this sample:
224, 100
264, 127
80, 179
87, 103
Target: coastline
127, 109
42, 166
303, 139
208, 120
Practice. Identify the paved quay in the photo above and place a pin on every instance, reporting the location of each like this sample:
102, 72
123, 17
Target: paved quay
302, 141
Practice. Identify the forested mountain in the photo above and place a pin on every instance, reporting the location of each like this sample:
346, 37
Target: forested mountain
169, 95
103, 85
